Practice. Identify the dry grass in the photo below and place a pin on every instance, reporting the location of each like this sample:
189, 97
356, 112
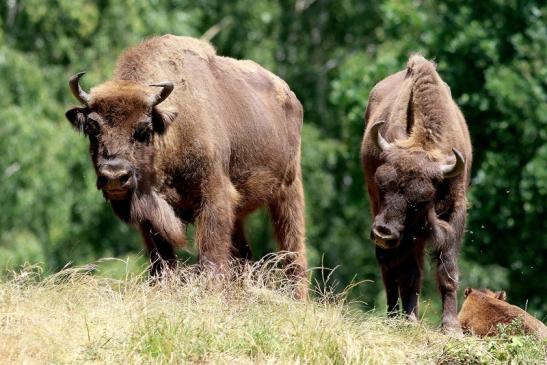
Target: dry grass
75, 317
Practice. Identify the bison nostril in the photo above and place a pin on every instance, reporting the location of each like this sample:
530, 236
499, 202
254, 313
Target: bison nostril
125, 178
383, 231
102, 181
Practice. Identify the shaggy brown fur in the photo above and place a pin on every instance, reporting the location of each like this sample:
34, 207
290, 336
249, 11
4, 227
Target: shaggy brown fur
483, 310
224, 143
416, 186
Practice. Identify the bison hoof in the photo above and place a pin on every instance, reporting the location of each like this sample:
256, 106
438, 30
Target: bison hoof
452, 328
412, 317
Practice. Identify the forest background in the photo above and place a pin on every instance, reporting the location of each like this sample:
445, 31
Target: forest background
492, 53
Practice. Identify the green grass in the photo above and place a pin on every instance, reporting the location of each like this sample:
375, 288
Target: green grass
76, 316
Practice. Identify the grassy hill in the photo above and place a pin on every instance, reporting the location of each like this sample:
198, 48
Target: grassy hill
75, 316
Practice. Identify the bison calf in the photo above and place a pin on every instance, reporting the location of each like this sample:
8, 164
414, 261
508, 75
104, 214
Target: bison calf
416, 155
181, 135
483, 310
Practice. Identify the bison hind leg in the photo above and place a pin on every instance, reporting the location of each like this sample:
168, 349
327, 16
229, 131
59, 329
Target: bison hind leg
287, 213
241, 249
215, 224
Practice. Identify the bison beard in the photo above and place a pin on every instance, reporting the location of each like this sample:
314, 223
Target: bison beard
441, 233
154, 209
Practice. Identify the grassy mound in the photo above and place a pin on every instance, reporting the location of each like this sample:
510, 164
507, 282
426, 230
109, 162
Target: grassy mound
76, 317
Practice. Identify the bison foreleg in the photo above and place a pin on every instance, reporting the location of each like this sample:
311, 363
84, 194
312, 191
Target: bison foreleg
390, 273
160, 252
410, 280
447, 267
447, 281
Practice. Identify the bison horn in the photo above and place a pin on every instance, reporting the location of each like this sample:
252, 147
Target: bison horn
167, 87
454, 169
77, 90
380, 142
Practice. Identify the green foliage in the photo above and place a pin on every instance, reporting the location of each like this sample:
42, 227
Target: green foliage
510, 346
253, 335
491, 53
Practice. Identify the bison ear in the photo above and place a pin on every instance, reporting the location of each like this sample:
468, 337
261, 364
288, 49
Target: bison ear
467, 292
77, 117
162, 119
501, 295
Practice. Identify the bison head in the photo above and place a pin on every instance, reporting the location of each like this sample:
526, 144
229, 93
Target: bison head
501, 295
121, 119
407, 182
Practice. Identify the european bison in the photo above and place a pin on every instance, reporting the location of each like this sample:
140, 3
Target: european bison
483, 310
217, 140
416, 156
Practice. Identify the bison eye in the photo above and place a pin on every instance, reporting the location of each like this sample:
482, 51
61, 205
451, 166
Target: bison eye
143, 132
91, 127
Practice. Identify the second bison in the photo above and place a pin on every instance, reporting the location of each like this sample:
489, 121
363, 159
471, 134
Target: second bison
416, 155
181, 135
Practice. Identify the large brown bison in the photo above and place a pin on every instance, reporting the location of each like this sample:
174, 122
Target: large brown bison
181, 135
416, 156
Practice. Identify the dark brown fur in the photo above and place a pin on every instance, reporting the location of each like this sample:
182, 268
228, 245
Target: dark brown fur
483, 310
224, 143
410, 198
